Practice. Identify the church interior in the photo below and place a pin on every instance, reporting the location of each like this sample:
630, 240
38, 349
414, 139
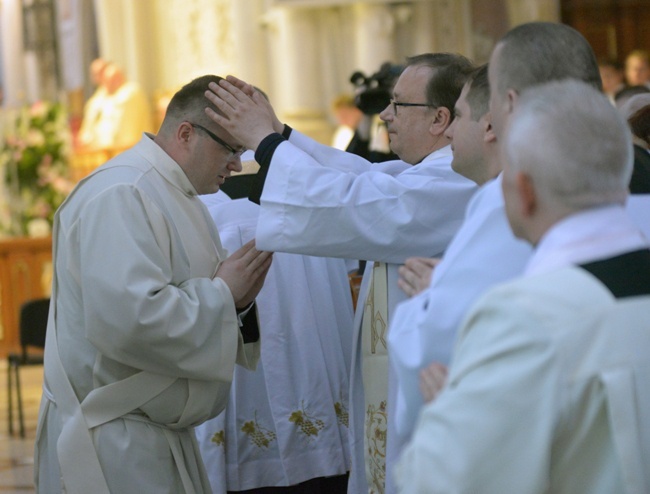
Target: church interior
80, 80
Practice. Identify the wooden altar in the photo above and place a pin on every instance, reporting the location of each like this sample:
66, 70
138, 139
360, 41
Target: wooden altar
25, 273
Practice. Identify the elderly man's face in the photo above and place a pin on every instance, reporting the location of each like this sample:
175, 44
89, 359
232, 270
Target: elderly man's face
408, 126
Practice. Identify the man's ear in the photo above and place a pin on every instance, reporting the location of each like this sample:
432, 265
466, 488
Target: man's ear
488, 131
183, 132
512, 97
527, 194
441, 120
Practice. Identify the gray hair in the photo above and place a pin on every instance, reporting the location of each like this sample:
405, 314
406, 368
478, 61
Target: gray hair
539, 52
573, 143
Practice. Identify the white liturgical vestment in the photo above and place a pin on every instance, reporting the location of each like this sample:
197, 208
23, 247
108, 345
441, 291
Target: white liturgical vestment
483, 253
142, 340
286, 422
324, 202
547, 390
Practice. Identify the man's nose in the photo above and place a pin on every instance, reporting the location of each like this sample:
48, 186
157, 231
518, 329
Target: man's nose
235, 165
387, 114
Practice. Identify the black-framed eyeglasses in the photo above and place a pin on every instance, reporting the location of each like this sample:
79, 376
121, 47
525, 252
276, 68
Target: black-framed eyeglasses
234, 153
398, 103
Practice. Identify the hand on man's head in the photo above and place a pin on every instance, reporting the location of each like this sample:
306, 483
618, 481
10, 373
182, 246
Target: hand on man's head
244, 112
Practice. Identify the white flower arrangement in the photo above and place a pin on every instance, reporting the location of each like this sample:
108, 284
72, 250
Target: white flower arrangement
34, 157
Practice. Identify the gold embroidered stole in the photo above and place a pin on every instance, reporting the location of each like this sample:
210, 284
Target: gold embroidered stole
374, 362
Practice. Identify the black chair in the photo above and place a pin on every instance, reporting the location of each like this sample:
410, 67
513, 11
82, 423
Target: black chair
33, 325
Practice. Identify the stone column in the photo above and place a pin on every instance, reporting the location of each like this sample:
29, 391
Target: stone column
13, 61
374, 36
250, 43
125, 37
296, 71
450, 22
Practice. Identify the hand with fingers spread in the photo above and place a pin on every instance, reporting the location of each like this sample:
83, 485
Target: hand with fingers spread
246, 113
415, 275
250, 91
432, 379
244, 273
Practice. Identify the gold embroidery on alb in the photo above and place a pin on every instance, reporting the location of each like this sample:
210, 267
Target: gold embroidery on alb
377, 323
259, 436
309, 425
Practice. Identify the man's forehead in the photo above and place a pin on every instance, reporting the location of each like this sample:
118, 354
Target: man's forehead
461, 102
413, 79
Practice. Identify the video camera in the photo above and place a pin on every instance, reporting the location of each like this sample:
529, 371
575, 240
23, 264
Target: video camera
373, 93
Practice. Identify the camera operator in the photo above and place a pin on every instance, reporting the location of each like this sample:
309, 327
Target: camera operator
372, 95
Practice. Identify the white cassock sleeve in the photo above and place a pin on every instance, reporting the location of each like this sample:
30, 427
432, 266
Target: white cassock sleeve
501, 394
311, 206
341, 160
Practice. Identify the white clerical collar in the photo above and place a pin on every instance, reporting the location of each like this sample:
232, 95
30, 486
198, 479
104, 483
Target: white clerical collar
584, 237
439, 153
166, 166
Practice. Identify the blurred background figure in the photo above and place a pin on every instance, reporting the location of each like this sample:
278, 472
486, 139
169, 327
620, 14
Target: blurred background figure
372, 95
123, 112
613, 77
92, 107
637, 68
348, 117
